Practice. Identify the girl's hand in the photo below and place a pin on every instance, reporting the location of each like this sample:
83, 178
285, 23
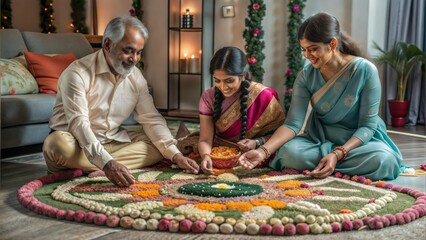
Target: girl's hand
247, 144
207, 165
251, 159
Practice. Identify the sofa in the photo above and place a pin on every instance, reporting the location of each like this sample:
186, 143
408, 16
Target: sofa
25, 117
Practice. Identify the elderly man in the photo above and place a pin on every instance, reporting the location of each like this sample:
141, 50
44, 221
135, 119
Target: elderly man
96, 94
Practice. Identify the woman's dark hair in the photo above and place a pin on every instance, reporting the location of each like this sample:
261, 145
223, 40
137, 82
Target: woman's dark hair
323, 27
233, 61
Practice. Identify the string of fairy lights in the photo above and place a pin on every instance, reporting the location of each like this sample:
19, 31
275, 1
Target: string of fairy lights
46, 17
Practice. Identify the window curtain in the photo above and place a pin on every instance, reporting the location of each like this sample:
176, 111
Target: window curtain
406, 23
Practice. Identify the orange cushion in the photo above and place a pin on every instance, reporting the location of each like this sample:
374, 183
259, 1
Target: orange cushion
47, 69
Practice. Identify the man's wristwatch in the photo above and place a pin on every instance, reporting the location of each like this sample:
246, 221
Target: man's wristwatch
257, 142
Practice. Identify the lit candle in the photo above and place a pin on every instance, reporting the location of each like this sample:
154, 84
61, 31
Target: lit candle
193, 64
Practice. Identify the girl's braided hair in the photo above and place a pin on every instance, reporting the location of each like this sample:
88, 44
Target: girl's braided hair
234, 62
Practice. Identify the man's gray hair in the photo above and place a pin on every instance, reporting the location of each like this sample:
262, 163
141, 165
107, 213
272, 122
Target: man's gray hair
117, 26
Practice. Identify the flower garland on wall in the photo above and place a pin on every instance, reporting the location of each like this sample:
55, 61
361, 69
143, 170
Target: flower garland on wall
294, 56
137, 12
46, 15
6, 14
78, 16
253, 35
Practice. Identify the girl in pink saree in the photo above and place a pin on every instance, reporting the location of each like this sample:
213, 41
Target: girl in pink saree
235, 111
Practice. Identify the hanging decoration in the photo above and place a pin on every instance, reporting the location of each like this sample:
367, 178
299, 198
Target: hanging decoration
78, 16
137, 12
294, 56
46, 16
253, 36
6, 14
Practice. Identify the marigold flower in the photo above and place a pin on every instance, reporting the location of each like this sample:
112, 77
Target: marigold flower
194, 156
147, 185
241, 206
289, 184
210, 206
354, 178
263, 176
345, 210
297, 192
145, 193
368, 181
174, 202
380, 184
272, 203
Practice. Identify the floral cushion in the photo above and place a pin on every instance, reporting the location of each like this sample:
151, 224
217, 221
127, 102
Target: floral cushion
15, 78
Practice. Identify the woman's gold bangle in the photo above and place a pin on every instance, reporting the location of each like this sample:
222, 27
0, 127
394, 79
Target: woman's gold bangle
265, 150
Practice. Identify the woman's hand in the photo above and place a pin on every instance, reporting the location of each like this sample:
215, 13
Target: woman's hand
247, 144
251, 159
189, 165
325, 167
207, 165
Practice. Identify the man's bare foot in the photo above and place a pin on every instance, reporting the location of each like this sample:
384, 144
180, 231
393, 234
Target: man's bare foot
97, 173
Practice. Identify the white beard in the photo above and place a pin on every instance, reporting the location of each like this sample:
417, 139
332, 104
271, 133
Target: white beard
118, 67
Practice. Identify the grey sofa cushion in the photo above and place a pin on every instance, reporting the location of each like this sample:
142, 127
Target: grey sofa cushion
26, 109
57, 43
11, 43
24, 135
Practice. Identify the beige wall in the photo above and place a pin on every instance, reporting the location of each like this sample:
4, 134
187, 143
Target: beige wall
228, 31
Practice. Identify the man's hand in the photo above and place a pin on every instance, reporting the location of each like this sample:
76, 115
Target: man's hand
185, 163
118, 174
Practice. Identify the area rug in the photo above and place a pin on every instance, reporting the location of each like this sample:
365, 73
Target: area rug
232, 201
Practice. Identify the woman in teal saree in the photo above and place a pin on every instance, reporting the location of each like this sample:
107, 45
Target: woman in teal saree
343, 131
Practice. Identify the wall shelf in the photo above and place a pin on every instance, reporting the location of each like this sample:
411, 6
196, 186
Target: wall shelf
189, 53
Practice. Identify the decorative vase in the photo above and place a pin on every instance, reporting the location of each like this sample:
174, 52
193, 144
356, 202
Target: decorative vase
398, 111
187, 20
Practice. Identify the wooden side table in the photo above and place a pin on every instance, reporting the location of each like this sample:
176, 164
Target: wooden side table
95, 41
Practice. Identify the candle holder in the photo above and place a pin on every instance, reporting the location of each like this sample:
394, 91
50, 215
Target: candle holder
187, 20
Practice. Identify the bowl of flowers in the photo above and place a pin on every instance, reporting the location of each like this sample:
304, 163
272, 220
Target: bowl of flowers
224, 157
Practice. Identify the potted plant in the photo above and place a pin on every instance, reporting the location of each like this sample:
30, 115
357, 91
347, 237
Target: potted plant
402, 57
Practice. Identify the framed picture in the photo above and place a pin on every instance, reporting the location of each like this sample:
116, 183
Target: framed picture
228, 11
